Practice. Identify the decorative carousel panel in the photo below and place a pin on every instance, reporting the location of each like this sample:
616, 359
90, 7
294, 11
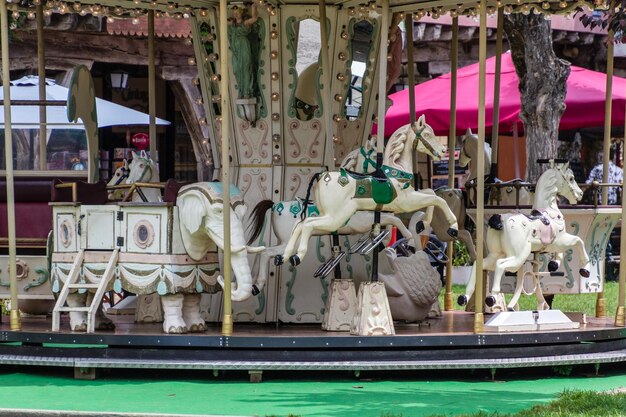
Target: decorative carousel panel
256, 185
99, 227
353, 79
250, 83
146, 231
66, 237
304, 135
33, 278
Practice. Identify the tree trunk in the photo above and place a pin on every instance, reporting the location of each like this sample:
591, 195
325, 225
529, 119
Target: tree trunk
542, 86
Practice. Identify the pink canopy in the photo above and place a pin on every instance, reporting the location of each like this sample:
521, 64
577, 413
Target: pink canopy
585, 100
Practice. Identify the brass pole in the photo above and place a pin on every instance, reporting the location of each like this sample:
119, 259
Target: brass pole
620, 313
479, 320
448, 304
152, 87
41, 71
608, 109
227, 321
8, 153
408, 20
382, 79
496, 94
329, 149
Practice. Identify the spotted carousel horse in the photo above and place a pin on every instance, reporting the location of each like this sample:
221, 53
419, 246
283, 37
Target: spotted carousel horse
119, 176
340, 194
143, 169
285, 215
503, 194
511, 238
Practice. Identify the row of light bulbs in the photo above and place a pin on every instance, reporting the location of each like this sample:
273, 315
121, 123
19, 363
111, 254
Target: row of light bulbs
174, 11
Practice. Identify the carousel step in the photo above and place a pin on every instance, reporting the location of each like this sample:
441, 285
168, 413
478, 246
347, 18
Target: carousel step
73, 309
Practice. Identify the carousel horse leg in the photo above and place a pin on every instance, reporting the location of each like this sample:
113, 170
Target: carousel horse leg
489, 264
322, 223
511, 263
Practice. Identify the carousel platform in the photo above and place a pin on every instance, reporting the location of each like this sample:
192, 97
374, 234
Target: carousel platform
444, 343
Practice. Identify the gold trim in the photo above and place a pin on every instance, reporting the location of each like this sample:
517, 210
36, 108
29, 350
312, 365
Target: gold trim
103, 257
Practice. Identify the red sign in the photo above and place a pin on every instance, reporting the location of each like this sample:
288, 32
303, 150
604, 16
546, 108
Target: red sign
140, 141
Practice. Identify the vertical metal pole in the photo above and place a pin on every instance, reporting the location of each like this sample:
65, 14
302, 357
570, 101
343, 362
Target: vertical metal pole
227, 321
41, 71
620, 313
448, 304
382, 95
479, 320
408, 20
8, 153
329, 149
152, 87
496, 95
608, 109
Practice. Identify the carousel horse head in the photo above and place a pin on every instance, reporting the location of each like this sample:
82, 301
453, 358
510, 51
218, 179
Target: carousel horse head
119, 176
142, 169
469, 152
557, 180
419, 137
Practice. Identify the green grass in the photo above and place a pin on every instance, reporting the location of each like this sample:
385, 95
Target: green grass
569, 404
585, 303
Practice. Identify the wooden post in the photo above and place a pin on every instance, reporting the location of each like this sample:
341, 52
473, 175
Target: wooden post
408, 20
227, 321
382, 79
152, 87
608, 109
41, 71
620, 319
479, 320
448, 303
8, 152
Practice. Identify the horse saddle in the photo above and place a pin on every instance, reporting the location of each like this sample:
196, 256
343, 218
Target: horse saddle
546, 233
537, 215
375, 186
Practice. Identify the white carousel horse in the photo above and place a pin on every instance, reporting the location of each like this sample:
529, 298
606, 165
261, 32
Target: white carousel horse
144, 169
502, 195
362, 159
285, 215
340, 194
119, 176
511, 238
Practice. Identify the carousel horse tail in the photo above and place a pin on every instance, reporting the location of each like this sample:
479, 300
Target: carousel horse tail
257, 218
307, 201
495, 222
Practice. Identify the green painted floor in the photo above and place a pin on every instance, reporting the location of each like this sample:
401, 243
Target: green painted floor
310, 395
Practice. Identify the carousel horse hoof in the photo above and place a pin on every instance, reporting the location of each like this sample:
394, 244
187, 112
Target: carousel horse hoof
462, 300
419, 227
278, 260
294, 260
553, 266
510, 309
255, 290
490, 301
584, 272
453, 232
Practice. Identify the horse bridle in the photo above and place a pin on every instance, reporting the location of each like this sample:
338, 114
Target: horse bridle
123, 176
147, 168
418, 135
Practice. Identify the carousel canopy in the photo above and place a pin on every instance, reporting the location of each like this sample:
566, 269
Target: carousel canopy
27, 117
584, 101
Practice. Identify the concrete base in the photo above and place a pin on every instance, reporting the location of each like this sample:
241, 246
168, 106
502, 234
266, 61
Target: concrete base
340, 306
373, 315
523, 321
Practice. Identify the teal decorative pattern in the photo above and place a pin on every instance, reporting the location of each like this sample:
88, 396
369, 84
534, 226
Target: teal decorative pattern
292, 45
43, 276
261, 70
346, 245
290, 297
318, 250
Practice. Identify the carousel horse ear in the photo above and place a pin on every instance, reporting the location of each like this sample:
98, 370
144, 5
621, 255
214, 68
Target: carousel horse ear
125, 163
469, 132
144, 154
421, 121
566, 166
134, 154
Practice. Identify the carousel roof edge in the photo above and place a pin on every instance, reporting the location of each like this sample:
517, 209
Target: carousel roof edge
189, 6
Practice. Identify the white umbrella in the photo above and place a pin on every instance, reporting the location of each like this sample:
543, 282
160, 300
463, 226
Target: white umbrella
27, 117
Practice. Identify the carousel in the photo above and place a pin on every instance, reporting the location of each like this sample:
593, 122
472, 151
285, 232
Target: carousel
290, 266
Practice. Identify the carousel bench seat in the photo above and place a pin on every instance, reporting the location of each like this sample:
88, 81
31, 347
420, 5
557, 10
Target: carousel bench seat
33, 215
86, 193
